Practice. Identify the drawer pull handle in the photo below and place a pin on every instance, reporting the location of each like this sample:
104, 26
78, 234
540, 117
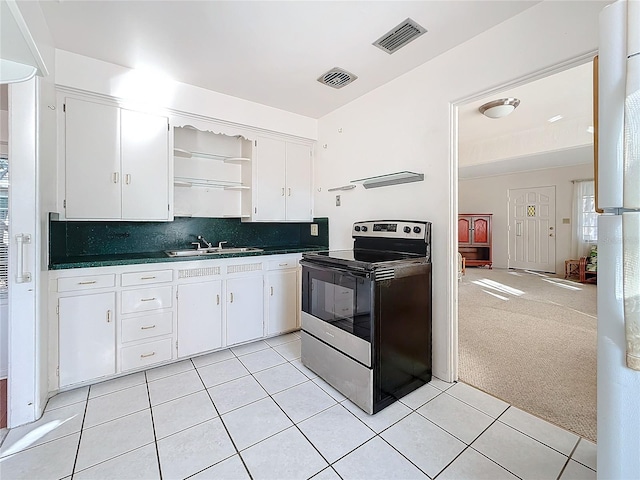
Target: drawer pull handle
282, 264
108, 316
145, 355
148, 299
272, 291
147, 327
87, 283
116, 176
128, 178
147, 278
231, 297
283, 191
289, 191
217, 299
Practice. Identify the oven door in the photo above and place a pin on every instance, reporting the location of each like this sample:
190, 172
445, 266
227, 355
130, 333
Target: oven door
337, 305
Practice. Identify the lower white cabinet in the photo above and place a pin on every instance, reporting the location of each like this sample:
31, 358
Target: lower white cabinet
199, 317
117, 319
281, 291
87, 337
245, 310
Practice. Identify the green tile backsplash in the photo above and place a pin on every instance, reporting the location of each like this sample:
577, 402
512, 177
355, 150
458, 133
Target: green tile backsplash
78, 239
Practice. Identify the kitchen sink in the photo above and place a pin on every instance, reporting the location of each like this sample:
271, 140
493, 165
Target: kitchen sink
190, 252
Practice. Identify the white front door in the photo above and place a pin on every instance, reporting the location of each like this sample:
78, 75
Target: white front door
532, 228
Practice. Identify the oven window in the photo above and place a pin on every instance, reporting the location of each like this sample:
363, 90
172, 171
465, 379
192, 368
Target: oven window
341, 300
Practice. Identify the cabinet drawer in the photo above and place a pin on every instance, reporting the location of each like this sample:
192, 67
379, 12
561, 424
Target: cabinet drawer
284, 263
86, 283
142, 278
147, 326
137, 356
145, 299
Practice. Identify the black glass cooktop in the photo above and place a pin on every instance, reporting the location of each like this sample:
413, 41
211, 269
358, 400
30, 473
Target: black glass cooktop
368, 256
364, 259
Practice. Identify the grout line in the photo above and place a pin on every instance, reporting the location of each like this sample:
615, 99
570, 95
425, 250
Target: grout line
84, 416
225, 428
153, 426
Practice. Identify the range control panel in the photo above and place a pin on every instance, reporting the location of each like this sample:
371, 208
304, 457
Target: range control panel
391, 229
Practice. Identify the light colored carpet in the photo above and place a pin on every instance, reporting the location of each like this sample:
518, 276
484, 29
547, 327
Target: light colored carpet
530, 339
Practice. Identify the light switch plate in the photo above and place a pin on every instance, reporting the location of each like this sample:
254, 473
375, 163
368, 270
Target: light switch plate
314, 229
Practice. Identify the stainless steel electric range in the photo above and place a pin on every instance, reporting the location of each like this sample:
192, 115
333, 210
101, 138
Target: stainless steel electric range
366, 313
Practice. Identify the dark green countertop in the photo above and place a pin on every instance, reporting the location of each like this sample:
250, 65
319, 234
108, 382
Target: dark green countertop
87, 261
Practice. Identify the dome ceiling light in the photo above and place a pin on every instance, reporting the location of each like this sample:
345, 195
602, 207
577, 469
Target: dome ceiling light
499, 108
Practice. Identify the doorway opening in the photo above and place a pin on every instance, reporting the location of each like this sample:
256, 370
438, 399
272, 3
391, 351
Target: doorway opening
513, 318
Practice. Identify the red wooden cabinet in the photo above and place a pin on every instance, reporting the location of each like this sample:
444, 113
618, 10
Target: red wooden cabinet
474, 239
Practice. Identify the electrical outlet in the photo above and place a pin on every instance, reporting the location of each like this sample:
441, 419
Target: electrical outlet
314, 229
337, 200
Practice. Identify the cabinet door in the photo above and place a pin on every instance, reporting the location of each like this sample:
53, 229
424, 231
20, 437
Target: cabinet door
145, 166
87, 346
92, 160
298, 182
481, 231
270, 180
464, 230
282, 298
199, 317
244, 309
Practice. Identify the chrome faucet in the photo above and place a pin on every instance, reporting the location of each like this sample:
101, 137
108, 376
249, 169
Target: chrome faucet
220, 245
201, 240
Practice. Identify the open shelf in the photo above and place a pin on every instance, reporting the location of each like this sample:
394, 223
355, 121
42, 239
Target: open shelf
199, 182
390, 179
182, 153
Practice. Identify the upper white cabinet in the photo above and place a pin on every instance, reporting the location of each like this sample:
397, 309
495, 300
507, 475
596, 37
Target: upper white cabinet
116, 163
282, 181
210, 172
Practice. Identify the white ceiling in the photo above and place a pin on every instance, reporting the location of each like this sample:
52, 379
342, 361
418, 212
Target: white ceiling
568, 93
269, 52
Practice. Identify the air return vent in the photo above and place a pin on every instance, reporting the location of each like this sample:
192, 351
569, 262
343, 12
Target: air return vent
399, 36
337, 78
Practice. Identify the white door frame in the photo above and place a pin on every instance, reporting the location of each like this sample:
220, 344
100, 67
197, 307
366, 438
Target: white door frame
452, 247
26, 375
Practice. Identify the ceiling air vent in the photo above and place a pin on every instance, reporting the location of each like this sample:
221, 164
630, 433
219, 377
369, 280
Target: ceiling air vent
399, 36
337, 78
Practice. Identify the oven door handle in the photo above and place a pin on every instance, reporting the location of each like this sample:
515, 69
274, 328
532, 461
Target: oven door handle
331, 268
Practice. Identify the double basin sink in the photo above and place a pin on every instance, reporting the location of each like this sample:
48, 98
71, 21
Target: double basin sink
192, 252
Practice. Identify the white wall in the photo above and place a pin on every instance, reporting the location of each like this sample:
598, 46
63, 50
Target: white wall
406, 125
489, 195
159, 90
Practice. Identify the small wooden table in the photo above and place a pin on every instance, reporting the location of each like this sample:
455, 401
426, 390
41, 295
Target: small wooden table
586, 276
571, 268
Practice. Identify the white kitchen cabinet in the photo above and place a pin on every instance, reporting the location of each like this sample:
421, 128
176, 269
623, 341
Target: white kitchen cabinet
87, 343
116, 163
282, 181
281, 293
199, 317
245, 309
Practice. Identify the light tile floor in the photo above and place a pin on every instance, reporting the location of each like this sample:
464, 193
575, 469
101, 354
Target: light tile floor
255, 411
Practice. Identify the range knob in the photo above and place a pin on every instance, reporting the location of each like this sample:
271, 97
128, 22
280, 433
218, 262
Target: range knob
417, 229
407, 229
364, 229
356, 228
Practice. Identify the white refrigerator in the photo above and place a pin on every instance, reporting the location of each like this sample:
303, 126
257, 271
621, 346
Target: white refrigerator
618, 194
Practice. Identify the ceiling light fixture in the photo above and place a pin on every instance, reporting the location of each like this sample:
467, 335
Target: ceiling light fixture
499, 108
555, 119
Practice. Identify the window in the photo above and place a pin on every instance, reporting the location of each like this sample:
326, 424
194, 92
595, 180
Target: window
584, 218
589, 219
